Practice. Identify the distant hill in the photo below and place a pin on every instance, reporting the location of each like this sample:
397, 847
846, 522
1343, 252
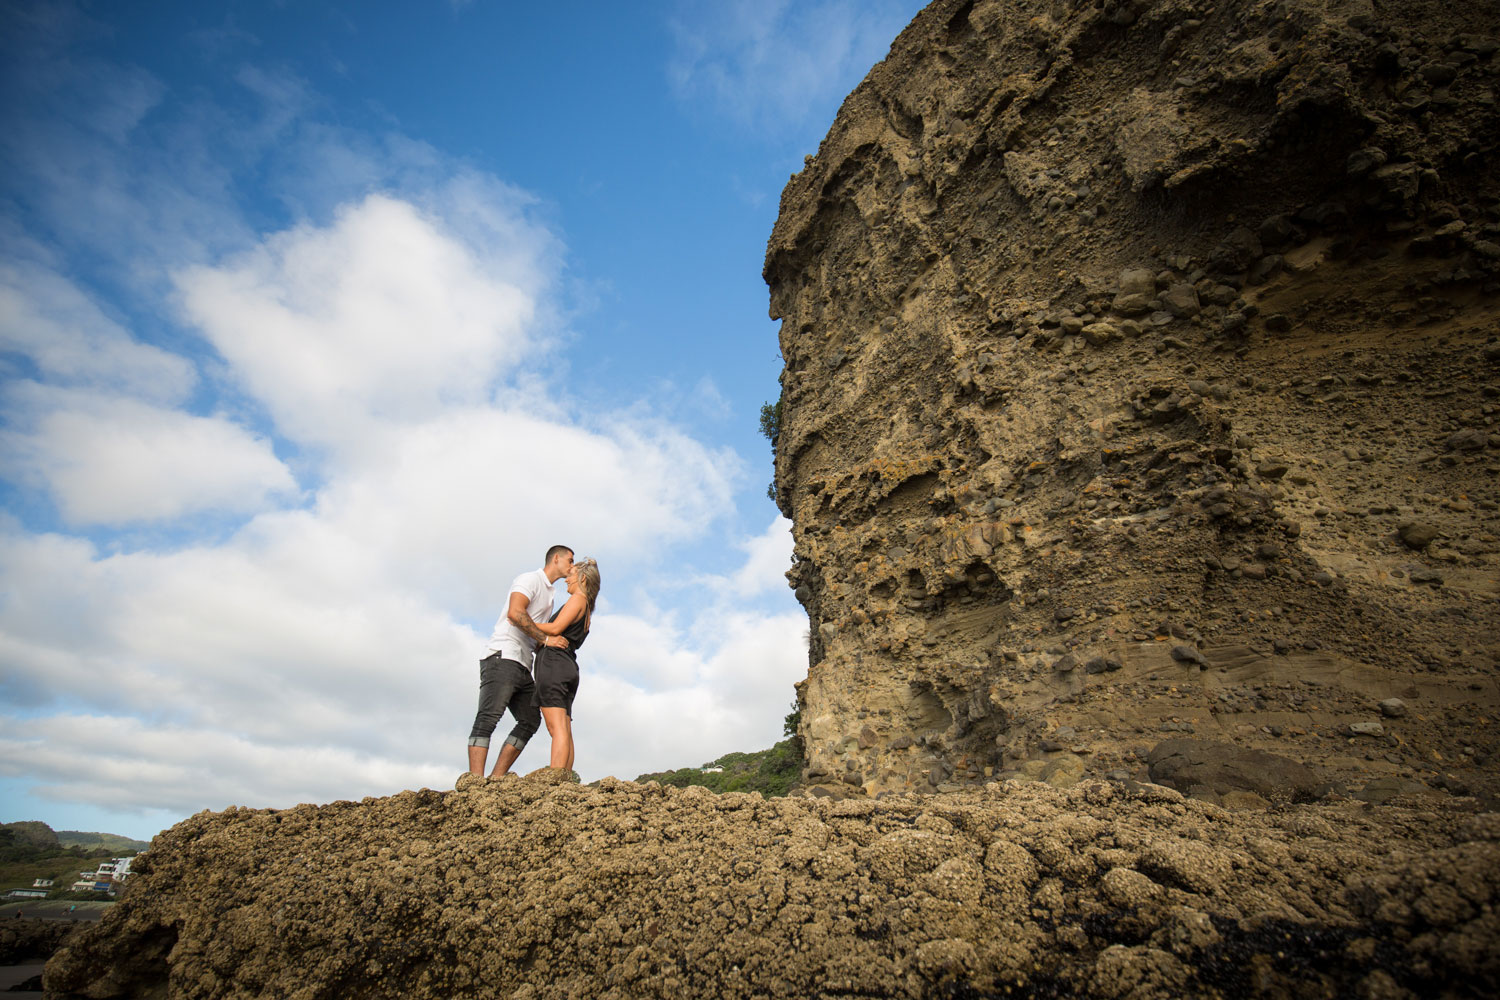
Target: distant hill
33, 838
93, 841
28, 833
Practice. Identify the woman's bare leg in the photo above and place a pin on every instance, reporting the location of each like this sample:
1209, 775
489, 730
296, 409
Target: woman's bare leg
560, 728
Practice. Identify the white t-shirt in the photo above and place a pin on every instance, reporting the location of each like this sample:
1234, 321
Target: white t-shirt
509, 641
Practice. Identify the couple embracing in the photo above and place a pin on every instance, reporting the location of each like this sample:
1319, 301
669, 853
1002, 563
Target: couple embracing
532, 666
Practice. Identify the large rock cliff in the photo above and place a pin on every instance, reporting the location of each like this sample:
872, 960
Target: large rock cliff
1141, 377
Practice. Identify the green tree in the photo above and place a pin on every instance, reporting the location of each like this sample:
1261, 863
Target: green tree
770, 420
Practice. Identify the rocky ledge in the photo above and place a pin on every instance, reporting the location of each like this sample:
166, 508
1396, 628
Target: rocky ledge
532, 888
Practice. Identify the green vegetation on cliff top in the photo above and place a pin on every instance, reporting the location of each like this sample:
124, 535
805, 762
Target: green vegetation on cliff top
770, 772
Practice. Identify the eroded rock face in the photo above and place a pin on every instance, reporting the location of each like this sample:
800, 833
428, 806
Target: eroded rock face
533, 889
1141, 380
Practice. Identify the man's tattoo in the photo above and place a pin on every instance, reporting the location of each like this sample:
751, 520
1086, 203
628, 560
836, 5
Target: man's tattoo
527, 625
530, 627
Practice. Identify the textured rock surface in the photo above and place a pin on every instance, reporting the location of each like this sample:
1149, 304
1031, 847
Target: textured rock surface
530, 888
1204, 769
1141, 379
27, 940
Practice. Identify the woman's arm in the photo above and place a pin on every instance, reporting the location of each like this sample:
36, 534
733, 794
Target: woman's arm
570, 613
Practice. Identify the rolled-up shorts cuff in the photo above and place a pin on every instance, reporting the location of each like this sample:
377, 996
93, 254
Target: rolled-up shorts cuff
479, 741
516, 741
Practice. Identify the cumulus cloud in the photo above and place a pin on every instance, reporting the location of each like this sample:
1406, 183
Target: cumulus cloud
380, 316
265, 644
458, 505
774, 64
113, 460
182, 769
767, 558
97, 423
63, 332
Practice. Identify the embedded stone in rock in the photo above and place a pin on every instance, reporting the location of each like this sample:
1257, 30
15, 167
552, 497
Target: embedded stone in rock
1379, 791
1126, 887
1417, 535
1099, 334
1362, 161
1063, 771
1221, 767
1181, 300
1137, 288
1188, 654
1468, 439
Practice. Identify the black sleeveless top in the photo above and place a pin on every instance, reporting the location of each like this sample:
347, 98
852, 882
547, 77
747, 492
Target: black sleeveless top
574, 633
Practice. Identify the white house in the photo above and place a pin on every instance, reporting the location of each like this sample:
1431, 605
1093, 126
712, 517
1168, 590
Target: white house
26, 894
105, 877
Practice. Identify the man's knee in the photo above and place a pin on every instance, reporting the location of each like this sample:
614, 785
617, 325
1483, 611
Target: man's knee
485, 722
525, 728
494, 693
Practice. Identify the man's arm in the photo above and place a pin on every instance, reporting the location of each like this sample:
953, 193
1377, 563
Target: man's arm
522, 620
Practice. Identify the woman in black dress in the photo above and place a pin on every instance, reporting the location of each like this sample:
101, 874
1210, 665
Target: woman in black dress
556, 666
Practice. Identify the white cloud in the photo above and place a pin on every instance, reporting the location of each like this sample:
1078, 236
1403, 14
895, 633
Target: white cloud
70, 340
708, 400
776, 64
184, 769
269, 646
111, 460
458, 505
767, 558
710, 697
380, 316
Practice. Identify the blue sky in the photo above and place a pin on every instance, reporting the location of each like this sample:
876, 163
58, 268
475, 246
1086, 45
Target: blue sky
320, 321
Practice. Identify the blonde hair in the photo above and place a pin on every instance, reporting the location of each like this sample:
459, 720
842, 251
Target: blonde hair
588, 579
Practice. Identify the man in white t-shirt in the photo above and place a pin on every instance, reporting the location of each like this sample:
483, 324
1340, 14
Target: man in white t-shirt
505, 674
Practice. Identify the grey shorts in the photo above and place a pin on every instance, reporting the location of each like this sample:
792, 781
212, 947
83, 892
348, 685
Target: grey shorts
505, 684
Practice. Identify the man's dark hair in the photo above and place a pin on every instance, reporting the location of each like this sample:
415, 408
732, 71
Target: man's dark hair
554, 551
